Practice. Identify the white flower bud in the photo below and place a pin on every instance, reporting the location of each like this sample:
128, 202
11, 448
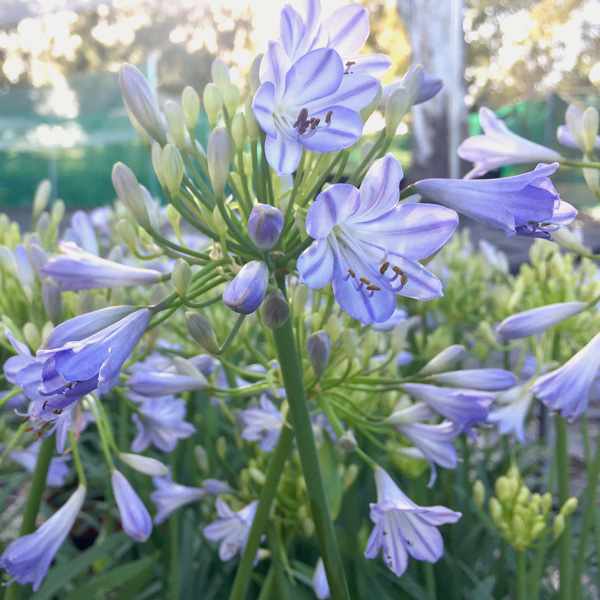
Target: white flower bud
172, 165
157, 164
445, 359
218, 154
239, 131
213, 103
190, 101
144, 464
176, 122
41, 198
181, 277
130, 193
231, 98
397, 106
255, 74
219, 72
589, 129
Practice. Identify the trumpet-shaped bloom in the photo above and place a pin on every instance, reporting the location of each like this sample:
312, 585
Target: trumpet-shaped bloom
263, 424
568, 389
247, 290
368, 245
525, 205
170, 496
490, 380
308, 104
421, 87
537, 320
510, 411
77, 269
28, 558
135, 517
232, 528
499, 147
160, 423
402, 527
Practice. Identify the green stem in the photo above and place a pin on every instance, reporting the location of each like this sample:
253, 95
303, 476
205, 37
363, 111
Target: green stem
291, 371
562, 462
265, 499
429, 580
589, 518
579, 163
521, 575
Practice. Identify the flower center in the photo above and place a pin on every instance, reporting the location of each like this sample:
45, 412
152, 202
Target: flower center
307, 126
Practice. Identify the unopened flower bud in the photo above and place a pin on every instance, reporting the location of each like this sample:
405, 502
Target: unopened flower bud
42, 197
444, 360
176, 122
181, 277
317, 350
221, 447
247, 290
333, 328
157, 164
218, 154
219, 73
265, 225
231, 98
495, 510
569, 507
141, 102
213, 103
32, 335
144, 464
589, 129
202, 331
251, 124
348, 442
523, 495
239, 131
130, 193
397, 106
173, 169
58, 211
275, 310
190, 102
368, 110
52, 301
559, 525
299, 299
255, 73
257, 475
478, 493
201, 458
128, 234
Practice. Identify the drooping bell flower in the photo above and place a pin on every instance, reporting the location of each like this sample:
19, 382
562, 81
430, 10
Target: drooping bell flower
135, 517
262, 424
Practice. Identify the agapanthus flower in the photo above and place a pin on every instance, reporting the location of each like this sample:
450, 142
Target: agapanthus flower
57, 472
308, 104
153, 383
170, 496
402, 527
421, 87
537, 320
346, 30
510, 411
135, 517
28, 558
368, 245
82, 233
232, 529
568, 389
247, 290
499, 147
319, 582
489, 380
160, 422
262, 424
77, 269
525, 204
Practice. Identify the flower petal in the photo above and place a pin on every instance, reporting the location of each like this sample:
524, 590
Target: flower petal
344, 128
283, 153
315, 265
274, 67
337, 204
347, 29
354, 92
263, 106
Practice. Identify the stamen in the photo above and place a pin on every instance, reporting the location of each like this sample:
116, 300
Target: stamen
364, 280
57, 411
328, 116
403, 279
352, 273
44, 405
384, 267
374, 288
398, 270
302, 116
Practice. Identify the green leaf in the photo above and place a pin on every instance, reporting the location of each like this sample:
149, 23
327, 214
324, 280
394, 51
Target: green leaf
67, 570
331, 477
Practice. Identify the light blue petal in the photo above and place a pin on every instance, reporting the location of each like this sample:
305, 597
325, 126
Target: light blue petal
336, 205
283, 153
347, 29
354, 92
344, 128
263, 106
315, 265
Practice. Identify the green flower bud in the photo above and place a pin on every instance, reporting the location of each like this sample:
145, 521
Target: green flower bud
42, 197
523, 495
58, 211
32, 335
397, 106
202, 332
176, 122
495, 509
157, 164
275, 310
213, 103
218, 154
317, 350
368, 110
559, 525
334, 328
190, 102
130, 194
219, 73
181, 277
173, 169
257, 475
239, 131
349, 343
478, 493
255, 74
251, 124
173, 217
537, 529
219, 222
201, 458
589, 129
569, 507
443, 361
42, 225
127, 234
231, 98
299, 299
221, 447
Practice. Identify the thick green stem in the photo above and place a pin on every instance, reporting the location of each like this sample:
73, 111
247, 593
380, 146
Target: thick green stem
291, 371
562, 463
521, 575
589, 520
265, 499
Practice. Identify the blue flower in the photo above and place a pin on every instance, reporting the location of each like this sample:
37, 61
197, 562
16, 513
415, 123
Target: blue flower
510, 411
490, 380
232, 528
421, 87
537, 320
160, 423
170, 496
368, 245
568, 389
499, 147
525, 205
263, 424
308, 104
265, 225
28, 558
319, 583
247, 290
154, 383
135, 517
403, 528
77, 269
